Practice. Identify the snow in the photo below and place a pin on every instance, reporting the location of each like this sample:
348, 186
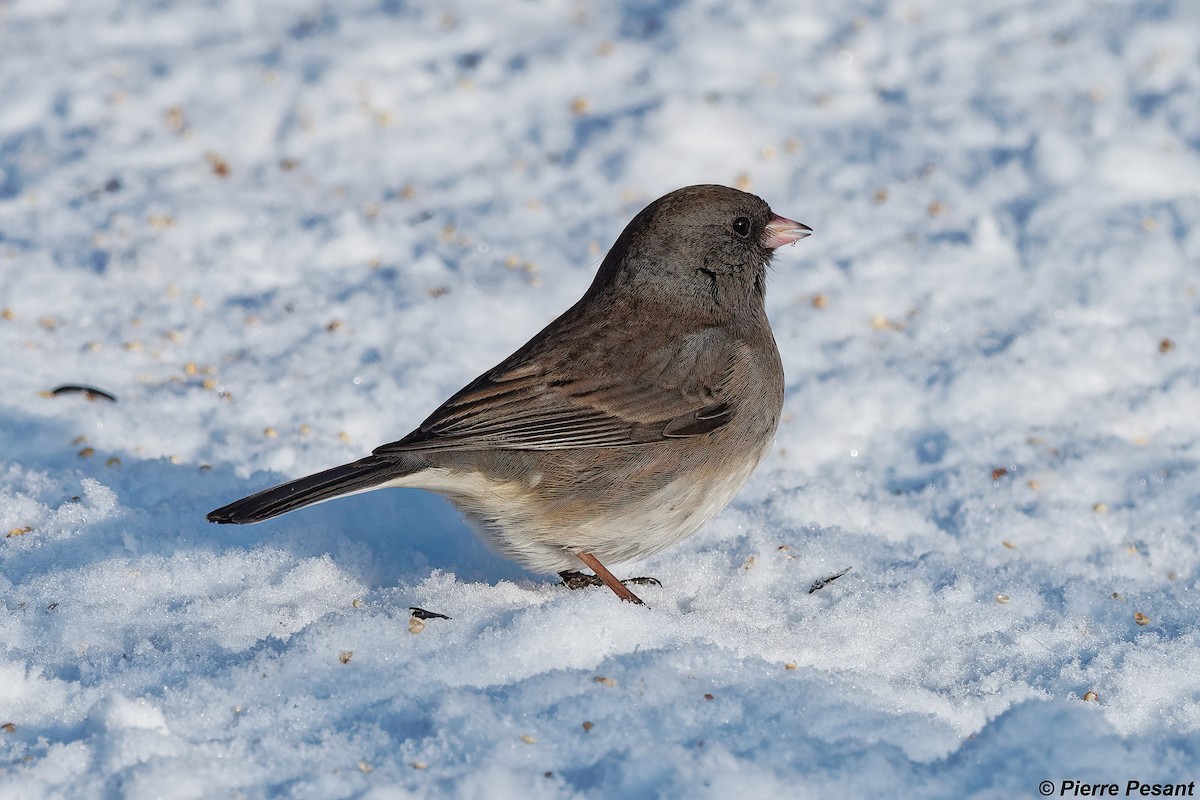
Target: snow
281, 233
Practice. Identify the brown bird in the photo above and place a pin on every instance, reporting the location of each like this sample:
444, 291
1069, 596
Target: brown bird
626, 423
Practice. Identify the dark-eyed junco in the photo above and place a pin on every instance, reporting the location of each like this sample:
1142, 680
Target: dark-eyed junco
626, 423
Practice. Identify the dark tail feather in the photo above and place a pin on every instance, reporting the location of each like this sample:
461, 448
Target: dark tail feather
346, 479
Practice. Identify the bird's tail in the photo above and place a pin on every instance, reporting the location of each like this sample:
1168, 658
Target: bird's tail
359, 476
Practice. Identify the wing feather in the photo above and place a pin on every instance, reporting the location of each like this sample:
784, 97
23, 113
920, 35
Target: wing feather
673, 393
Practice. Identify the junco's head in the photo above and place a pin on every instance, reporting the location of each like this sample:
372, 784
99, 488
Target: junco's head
709, 242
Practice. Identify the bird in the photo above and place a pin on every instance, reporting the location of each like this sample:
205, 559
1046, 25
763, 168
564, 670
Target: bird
623, 425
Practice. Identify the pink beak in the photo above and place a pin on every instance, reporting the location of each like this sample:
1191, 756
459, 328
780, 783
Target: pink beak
781, 231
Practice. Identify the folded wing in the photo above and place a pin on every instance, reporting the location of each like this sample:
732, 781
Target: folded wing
676, 392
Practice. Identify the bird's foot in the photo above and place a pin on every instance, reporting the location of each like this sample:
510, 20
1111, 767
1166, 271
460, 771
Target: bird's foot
581, 580
603, 576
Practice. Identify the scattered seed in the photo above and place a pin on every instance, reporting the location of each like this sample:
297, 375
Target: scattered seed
1100, 508
333, 325
579, 106
820, 301
1116, 596
419, 765
87, 452
7, 314
1008, 544
345, 656
113, 462
91, 393
288, 164
220, 166
791, 665
527, 739
437, 291
1002, 599
19, 531
1034, 485
1166, 346
587, 726
270, 433
708, 696
936, 208
1141, 619
356, 603
881, 196
821, 583
881, 323
175, 119
1090, 696
604, 681
415, 625
749, 563
160, 222
364, 767
421, 613
8, 727
742, 181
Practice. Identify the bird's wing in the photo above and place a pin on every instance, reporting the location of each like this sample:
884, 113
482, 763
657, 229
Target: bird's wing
535, 402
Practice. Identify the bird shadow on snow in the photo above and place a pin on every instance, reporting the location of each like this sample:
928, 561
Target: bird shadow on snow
85, 511
405, 535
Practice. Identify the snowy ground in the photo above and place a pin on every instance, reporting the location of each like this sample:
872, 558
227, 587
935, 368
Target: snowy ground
281, 232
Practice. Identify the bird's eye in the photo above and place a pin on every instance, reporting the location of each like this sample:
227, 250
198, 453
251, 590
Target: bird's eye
741, 226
